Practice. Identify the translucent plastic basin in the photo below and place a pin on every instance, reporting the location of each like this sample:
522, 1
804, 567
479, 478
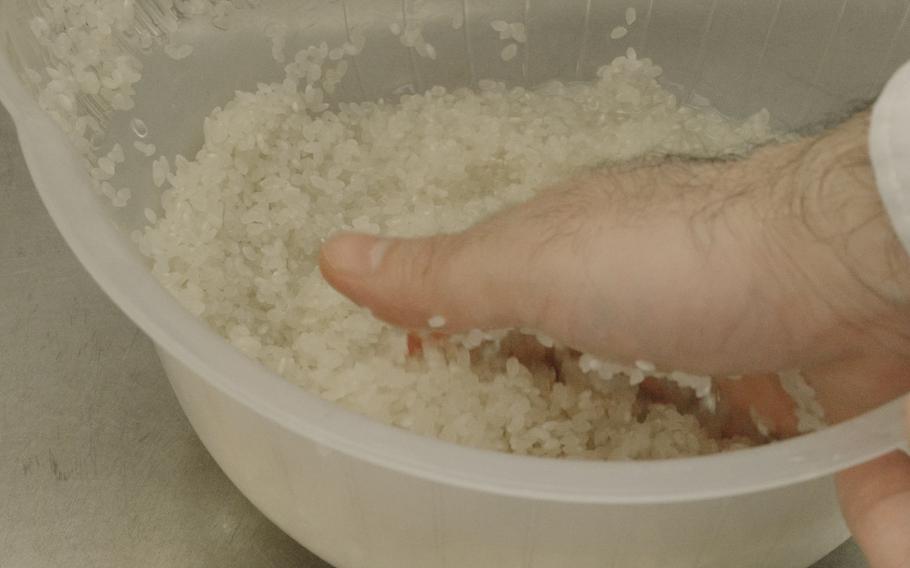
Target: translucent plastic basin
361, 494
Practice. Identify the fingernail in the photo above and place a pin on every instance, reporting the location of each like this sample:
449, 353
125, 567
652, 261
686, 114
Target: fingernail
355, 255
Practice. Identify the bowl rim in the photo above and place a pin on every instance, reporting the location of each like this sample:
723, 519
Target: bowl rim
64, 186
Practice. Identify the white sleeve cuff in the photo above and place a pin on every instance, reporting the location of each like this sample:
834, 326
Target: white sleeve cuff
889, 149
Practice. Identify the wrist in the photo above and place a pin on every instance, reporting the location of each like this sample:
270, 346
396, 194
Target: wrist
840, 206
821, 245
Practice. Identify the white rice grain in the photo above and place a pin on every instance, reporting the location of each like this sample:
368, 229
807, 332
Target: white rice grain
139, 128
178, 52
145, 149
518, 32
160, 171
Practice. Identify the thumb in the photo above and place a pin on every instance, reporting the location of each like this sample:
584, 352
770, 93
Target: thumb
518, 268
463, 281
875, 498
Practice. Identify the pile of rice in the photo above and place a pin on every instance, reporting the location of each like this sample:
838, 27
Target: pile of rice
280, 171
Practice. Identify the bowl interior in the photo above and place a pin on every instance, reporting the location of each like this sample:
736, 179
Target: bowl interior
806, 62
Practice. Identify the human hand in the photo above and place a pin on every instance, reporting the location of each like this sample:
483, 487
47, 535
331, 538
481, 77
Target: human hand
784, 260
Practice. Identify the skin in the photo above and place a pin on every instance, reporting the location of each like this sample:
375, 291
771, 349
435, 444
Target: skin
783, 260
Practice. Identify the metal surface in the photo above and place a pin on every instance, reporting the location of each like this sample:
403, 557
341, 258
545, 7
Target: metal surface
98, 466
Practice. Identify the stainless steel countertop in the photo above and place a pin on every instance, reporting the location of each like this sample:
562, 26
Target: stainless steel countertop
98, 466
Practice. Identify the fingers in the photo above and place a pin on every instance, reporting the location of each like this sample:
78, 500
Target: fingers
754, 406
757, 398
849, 387
875, 498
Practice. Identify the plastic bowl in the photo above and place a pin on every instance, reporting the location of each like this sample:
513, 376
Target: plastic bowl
363, 494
